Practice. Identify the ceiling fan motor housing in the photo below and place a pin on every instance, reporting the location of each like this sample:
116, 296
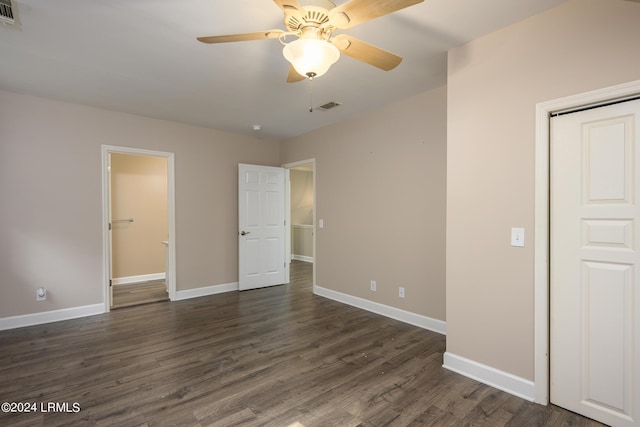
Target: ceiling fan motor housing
315, 14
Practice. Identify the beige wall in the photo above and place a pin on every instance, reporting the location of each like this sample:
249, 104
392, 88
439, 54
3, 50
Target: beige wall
301, 197
302, 241
494, 84
138, 191
51, 209
380, 188
301, 212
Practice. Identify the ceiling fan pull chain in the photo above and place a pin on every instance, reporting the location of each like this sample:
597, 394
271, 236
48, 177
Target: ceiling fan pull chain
311, 94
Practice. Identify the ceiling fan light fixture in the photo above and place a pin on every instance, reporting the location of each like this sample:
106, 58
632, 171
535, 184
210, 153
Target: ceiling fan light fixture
311, 57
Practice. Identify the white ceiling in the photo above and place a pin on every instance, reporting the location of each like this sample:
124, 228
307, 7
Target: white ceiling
142, 57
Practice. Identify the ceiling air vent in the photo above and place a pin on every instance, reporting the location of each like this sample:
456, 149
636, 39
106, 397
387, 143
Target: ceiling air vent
329, 105
7, 12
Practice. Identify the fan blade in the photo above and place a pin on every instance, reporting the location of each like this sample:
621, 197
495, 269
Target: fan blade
365, 52
355, 12
290, 6
259, 35
294, 76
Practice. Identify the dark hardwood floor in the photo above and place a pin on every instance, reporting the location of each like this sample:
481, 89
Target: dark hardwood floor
139, 293
278, 356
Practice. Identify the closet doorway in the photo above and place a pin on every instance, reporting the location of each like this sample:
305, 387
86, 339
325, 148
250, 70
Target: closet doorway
594, 262
604, 282
139, 223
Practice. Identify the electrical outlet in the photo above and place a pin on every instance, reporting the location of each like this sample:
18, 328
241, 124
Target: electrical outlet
373, 285
41, 294
401, 292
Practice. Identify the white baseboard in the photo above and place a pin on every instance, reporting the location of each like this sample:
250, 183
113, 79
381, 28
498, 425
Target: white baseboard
50, 316
137, 279
206, 290
302, 258
419, 320
91, 310
491, 376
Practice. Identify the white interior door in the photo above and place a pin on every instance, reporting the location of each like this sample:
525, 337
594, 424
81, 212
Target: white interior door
261, 234
595, 292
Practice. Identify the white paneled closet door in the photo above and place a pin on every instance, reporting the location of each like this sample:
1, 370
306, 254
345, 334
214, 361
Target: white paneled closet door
594, 263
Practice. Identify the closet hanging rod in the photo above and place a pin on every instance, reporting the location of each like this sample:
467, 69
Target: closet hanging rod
122, 220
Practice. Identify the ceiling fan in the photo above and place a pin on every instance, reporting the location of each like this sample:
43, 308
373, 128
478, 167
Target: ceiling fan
313, 23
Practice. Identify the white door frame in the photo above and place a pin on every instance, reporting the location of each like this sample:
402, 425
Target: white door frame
312, 162
541, 255
106, 246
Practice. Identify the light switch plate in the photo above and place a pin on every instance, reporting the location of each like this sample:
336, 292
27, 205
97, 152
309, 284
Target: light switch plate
517, 237
321, 223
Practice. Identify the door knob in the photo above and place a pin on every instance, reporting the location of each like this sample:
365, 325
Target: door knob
244, 233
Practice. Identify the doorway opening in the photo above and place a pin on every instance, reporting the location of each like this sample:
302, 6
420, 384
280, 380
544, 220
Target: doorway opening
302, 218
544, 111
138, 226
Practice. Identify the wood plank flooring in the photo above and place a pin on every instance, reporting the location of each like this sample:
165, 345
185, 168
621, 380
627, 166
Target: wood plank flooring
278, 356
139, 293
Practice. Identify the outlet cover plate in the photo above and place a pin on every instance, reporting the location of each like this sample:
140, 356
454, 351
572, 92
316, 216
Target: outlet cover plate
517, 237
